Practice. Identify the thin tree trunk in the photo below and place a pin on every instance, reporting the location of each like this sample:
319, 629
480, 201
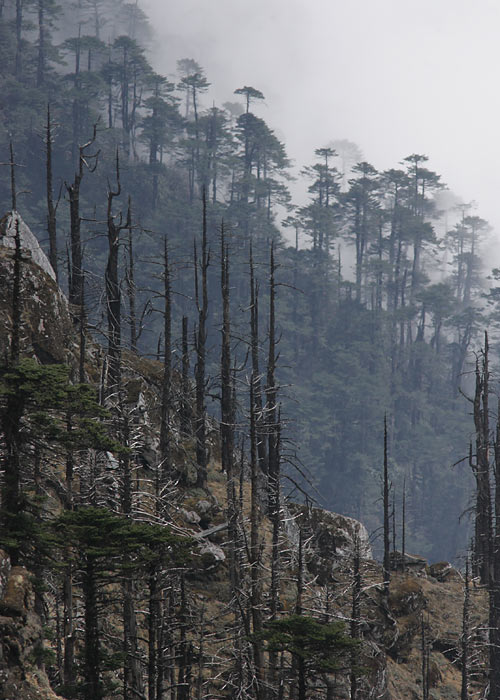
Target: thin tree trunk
92, 658
271, 396
355, 616
76, 273
166, 399
464, 660
17, 302
51, 208
254, 342
185, 412
13, 190
255, 573
153, 617
227, 415
113, 293
386, 563
201, 339
131, 290
483, 523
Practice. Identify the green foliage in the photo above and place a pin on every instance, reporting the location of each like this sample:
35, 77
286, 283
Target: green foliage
45, 386
323, 647
114, 542
46, 398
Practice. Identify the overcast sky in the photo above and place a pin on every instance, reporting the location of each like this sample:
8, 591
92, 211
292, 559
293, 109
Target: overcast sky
394, 76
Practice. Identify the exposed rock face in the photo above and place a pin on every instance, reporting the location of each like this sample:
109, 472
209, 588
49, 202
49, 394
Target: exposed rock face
22, 676
46, 324
29, 243
444, 571
331, 539
412, 562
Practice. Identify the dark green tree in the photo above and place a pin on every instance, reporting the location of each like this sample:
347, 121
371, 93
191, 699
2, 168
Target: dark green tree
317, 647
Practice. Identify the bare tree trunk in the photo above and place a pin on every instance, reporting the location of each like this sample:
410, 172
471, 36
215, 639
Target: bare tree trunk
76, 273
17, 302
113, 293
271, 398
153, 618
131, 290
166, 399
298, 661
481, 469
201, 339
255, 554
51, 208
69, 670
13, 190
83, 339
93, 689
254, 343
132, 676
425, 662
185, 412
386, 563
464, 660
355, 616
494, 623
403, 529
227, 415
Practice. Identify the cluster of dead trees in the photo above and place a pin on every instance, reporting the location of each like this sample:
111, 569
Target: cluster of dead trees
111, 570
484, 461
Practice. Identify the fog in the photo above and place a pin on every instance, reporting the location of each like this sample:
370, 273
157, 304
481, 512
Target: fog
394, 76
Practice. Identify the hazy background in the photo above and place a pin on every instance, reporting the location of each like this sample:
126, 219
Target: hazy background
394, 76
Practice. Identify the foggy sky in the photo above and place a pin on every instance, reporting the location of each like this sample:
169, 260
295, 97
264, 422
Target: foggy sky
395, 76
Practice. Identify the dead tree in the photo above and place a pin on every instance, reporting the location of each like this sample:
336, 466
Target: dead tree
13, 190
403, 528
227, 411
254, 346
481, 470
425, 658
386, 488
201, 340
185, 405
166, 398
255, 600
494, 584
51, 206
464, 656
85, 162
271, 396
115, 226
275, 542
17, 302
131, 289
355, 616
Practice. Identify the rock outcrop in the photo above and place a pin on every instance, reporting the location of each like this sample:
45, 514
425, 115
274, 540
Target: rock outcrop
331, 539
46, 326
22, 647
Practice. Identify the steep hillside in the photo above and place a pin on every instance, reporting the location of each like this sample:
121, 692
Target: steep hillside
185, 576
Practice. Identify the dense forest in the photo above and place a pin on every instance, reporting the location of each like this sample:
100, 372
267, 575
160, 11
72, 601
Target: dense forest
378, 289
206, 365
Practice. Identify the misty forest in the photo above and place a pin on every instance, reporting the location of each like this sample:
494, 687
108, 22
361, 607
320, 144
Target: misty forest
250, 438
